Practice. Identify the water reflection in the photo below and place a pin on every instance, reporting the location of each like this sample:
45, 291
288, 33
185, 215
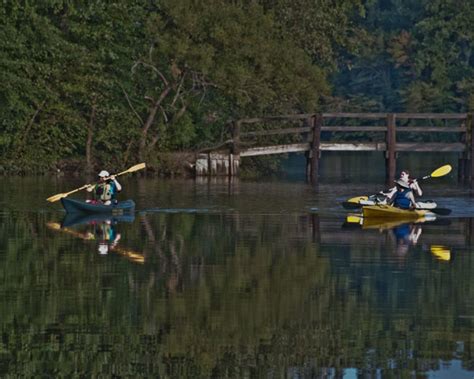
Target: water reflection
402, 235
235, 288
102, 229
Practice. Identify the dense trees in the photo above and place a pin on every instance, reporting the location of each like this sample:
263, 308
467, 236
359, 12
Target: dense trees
415, 56
112, 82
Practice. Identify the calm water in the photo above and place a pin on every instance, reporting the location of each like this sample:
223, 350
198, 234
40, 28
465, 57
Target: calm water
247, 279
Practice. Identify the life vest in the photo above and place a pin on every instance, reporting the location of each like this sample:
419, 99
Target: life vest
105, 191
402, 200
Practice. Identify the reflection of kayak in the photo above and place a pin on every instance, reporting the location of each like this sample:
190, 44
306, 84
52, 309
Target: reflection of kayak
76, 206
381, 223
77, 218
131, 255
390, 212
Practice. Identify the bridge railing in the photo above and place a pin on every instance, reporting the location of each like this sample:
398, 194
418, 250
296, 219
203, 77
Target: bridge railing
321, 132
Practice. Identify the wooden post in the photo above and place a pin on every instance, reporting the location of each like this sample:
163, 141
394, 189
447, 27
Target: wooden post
316, 229
470, 164
463, 159
391, 152
309, 123
316, 122
234, 156
236, 137
462, 169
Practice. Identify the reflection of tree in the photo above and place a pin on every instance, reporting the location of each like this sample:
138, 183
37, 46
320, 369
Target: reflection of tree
253, 296
169, 263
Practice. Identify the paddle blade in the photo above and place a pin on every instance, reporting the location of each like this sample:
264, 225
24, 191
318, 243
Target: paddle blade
56, 197
354, 219
351, 205
137, 167
442, 171
357, 199
440, 211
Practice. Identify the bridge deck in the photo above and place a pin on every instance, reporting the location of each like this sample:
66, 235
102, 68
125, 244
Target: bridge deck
456, 147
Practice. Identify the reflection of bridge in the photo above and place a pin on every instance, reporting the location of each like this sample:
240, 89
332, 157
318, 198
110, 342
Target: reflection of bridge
389, 133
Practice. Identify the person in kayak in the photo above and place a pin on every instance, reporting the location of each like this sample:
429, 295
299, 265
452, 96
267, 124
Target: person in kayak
106, 190
403, 197
414, 185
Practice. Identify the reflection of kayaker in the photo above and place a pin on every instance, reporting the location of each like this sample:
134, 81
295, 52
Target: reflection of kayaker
406, 235
107, 235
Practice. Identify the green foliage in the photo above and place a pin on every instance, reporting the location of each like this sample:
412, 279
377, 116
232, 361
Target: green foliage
416, 57
144, 77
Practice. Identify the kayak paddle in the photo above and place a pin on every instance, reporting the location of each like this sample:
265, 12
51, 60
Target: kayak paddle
442, 171
439, 211
59, 196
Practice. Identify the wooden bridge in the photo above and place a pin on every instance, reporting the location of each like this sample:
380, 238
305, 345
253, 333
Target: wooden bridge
389, 133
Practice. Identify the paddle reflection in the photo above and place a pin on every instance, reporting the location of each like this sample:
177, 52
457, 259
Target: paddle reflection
102, 229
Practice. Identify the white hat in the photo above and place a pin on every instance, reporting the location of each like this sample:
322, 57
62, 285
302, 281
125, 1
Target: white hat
104, 174
402, 183
103, 248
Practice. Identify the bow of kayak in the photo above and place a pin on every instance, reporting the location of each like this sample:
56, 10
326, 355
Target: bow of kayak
78, 206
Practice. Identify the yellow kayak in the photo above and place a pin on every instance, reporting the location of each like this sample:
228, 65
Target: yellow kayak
390, 212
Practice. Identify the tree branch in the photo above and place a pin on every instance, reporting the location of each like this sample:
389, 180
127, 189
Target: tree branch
153, 68
131, 105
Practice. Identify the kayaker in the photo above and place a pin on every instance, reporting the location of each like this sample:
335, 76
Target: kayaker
414, 185
107, 188
403, 197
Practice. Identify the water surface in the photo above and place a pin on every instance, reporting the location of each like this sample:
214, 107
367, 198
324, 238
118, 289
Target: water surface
241, 279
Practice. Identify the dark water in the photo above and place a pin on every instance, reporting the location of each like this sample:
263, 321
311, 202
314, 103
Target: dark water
242, 279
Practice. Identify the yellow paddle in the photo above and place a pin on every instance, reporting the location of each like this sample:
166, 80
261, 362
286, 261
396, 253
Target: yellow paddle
59, 196
442, 171
357, 199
